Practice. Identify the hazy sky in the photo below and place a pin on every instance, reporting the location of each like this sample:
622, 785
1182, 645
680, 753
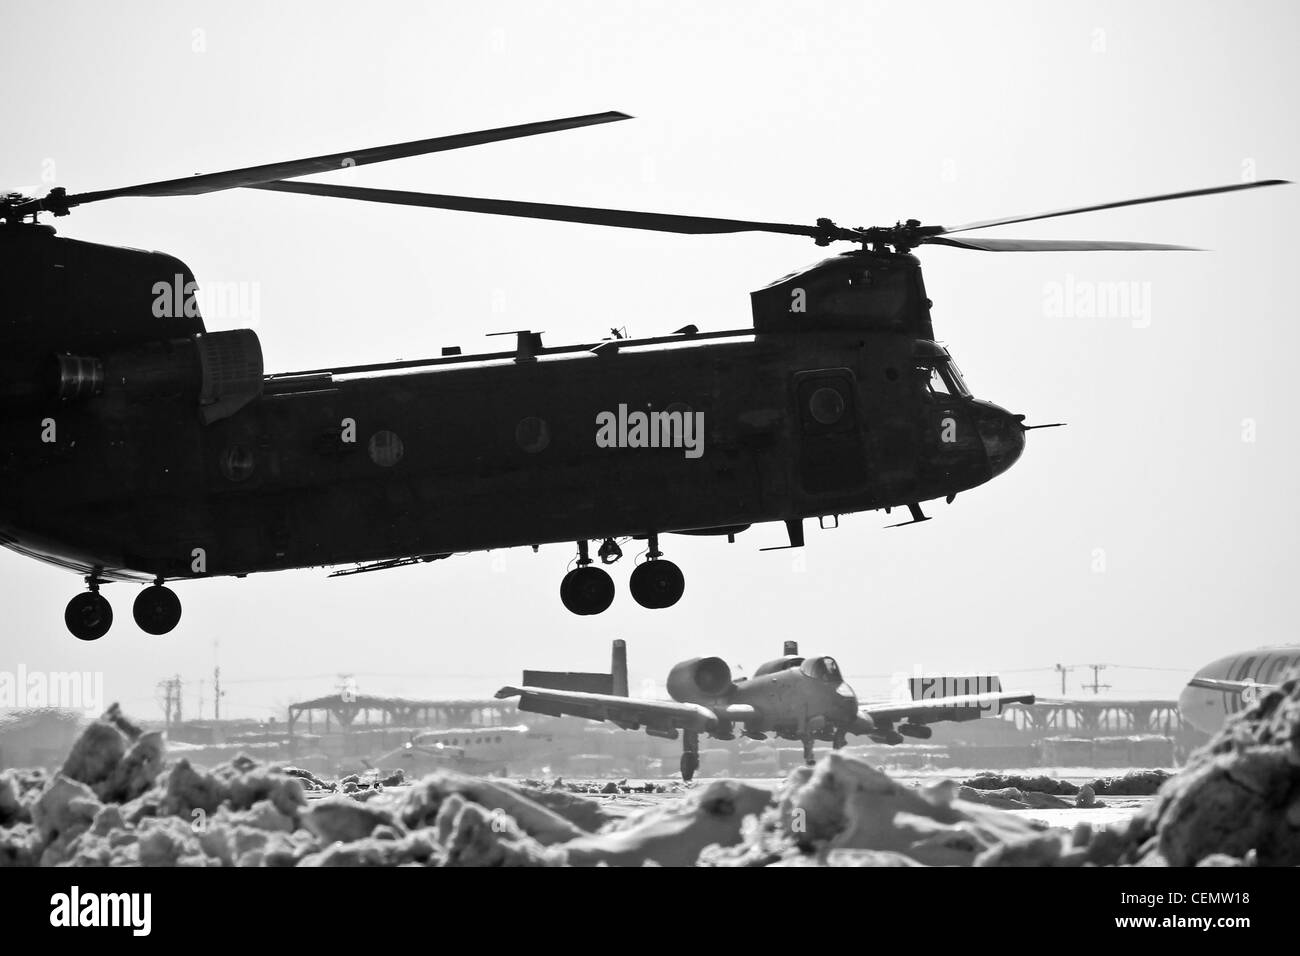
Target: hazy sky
1148, 533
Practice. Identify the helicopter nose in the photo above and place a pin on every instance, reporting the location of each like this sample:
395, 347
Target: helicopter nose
1003, 436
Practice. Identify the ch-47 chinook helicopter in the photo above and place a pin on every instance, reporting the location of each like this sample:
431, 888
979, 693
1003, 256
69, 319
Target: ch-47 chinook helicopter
137, 446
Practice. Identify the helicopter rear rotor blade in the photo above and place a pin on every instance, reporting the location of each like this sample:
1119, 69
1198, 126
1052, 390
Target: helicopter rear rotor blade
270, 172
1187, 194
1052, 245
591, 215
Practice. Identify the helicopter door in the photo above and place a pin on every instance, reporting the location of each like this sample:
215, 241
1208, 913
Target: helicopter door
832, 453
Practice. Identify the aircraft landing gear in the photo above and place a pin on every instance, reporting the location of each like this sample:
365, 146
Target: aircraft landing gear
89, 615
157, 609
657, 583
808, 751
690, 754
586, 590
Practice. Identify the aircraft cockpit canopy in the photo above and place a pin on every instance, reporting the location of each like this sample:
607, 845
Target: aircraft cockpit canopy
823, 669
937, 374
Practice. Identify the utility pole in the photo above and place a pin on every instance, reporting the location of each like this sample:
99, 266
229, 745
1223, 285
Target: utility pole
1063, 670
176, 690
1096, 686
165, 686
216, 680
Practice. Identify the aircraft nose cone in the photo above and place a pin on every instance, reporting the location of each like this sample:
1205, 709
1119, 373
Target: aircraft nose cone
848, 700
1002, 435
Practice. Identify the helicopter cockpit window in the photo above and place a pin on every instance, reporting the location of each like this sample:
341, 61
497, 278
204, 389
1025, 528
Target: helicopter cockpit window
823, 669
932, 380
942, 379
958, 380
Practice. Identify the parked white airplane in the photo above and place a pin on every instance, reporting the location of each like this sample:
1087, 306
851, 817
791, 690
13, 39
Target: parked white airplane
1233, 683
480, 750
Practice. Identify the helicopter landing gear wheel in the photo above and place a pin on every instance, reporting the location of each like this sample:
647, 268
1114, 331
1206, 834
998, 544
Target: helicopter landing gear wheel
89, 615
657, 583
157, 609
586, 590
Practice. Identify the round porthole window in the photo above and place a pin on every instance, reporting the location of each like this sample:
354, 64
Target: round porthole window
826, 405
385, 448
532, 434
237, 462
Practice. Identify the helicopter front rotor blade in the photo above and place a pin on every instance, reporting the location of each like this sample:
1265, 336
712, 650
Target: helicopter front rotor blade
1112, 205
654, 221
1051, 245
270, 172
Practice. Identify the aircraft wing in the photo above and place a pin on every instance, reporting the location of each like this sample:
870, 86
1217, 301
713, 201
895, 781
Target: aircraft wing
629, 713
1231, 686
930, 710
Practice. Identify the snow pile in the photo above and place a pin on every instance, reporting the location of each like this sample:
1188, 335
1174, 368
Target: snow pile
117, 801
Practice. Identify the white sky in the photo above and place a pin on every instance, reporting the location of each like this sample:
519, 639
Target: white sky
866, 113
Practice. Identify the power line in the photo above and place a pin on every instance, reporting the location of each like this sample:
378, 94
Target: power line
1096, 686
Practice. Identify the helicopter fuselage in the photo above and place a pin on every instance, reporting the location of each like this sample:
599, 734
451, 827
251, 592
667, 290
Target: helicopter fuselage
139, 446
478, 452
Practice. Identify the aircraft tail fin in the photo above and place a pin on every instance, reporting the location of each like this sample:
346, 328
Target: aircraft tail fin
618, 668
585, 682
579, 681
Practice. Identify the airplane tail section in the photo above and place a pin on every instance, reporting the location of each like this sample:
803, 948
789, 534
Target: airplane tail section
618, 668
584, 682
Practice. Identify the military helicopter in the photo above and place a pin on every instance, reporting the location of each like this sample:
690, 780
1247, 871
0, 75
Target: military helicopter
138, 446
791, 697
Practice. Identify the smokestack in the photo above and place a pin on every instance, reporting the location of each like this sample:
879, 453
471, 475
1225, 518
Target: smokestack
791, 649
618, 668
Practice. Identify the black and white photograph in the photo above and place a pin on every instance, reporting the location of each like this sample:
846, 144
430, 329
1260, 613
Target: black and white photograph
598, 434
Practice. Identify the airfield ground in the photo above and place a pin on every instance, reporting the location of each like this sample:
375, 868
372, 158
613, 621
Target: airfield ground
120, 799
635, 795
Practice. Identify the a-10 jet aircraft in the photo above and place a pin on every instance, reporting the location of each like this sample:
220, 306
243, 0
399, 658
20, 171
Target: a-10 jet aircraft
792, 697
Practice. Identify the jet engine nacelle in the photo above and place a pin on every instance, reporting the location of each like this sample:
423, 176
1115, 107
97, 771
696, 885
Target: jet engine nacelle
220, 371
700, 680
